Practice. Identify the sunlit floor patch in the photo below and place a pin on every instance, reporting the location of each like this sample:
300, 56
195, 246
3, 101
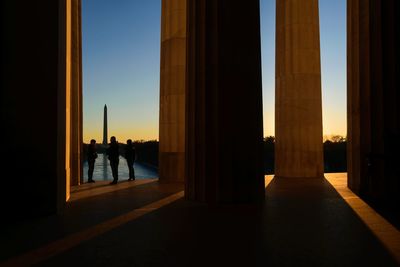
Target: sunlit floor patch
268, 179
102, 187
381, 228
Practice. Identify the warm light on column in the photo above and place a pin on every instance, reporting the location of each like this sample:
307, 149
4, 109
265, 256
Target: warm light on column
298, 101
68, 103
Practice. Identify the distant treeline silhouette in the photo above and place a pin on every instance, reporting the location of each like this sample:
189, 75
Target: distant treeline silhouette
335, 159
335, 155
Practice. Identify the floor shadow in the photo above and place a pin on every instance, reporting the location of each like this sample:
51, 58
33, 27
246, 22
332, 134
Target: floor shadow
79, 215
303, 222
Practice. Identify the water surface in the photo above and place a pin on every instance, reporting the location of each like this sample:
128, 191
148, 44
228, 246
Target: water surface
102, 170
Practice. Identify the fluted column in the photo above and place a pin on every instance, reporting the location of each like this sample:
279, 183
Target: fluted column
298, 106
224, 129
373, 125
172, 91
76, 93
33, 107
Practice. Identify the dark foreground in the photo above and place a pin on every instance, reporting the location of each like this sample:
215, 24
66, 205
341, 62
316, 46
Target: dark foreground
303, 222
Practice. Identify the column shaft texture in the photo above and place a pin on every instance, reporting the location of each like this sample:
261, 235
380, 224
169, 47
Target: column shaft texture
373, 124
224, 126
172, 91
76, 93
298, 106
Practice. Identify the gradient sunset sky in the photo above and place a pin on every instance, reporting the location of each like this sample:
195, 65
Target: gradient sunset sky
121, 61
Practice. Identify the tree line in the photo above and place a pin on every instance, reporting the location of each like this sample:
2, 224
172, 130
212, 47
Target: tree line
335, 154
335, 158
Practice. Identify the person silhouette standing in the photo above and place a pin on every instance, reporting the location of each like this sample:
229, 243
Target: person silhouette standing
130, 154
91, 158
113, 156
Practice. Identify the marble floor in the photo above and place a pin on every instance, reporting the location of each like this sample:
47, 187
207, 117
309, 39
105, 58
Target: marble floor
303, 222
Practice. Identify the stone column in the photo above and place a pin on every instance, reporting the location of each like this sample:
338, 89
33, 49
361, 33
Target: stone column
32, 104
372, 99
172, 91
298, 106
76, 93
224, 126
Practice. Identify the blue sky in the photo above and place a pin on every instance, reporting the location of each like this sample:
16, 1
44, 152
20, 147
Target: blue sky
121, 59
333, 64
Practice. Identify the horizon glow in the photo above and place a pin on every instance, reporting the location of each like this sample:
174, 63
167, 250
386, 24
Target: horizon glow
121, 67
333, 65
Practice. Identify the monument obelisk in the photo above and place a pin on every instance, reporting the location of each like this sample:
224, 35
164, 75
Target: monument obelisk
298, 105
105, 129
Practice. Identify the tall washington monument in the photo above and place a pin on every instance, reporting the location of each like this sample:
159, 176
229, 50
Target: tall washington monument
105, 130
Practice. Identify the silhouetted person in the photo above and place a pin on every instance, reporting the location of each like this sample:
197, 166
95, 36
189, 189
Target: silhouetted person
113, 156
91, 158
130, 154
